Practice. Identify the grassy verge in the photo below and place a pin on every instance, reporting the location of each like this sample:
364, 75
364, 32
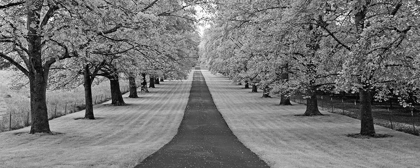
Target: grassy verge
394, 117
59, 103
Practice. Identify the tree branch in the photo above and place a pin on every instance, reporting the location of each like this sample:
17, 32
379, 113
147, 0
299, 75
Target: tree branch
48, 15
112, 30
12, 4
66, 55
149, 6
12, 61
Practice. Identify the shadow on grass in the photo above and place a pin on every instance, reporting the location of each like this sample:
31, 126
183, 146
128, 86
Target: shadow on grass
302, 115
38, 134
360, 136
83, 118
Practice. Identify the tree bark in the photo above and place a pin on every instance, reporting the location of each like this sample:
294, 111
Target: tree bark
151, 82
367, 126
88, 94
39, 112
116, 96
285, 100
312, 103
254, 88
133, 87
157, 80
38, 75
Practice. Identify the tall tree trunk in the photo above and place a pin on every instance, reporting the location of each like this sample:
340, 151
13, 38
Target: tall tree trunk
312, 103
116, 96
133, 87
367, 126
88, 94
38, 75
254, 88
39, 112
151, 82
157, 80
246, 85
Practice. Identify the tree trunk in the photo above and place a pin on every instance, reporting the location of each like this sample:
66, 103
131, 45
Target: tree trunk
133, 87
284, 99
367, 126
144, 83
151, 82
312, 103
39, 112
116, 96
246, 85
88, 94
38, 75
157, 80
254, 88
266, 92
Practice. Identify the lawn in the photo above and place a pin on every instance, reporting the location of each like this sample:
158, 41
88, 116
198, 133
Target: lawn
283, 139
14, 101
119, 137
123, 136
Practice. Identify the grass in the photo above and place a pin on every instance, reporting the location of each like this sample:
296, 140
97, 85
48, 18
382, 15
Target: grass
395, 117
282, 139
16, 113
121, 136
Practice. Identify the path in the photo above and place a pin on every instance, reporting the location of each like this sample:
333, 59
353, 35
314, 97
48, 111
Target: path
203, 138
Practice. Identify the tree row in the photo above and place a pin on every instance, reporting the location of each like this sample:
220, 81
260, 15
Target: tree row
368, 47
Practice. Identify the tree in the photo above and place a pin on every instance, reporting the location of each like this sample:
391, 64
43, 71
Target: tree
358, 45
378, 50
31, 23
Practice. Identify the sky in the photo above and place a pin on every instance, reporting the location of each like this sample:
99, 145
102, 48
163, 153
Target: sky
200, 14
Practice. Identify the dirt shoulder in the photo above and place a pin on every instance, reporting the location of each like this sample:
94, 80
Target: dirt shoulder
120, 137
284, 140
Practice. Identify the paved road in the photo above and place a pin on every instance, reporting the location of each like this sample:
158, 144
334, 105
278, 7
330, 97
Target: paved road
203, 138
